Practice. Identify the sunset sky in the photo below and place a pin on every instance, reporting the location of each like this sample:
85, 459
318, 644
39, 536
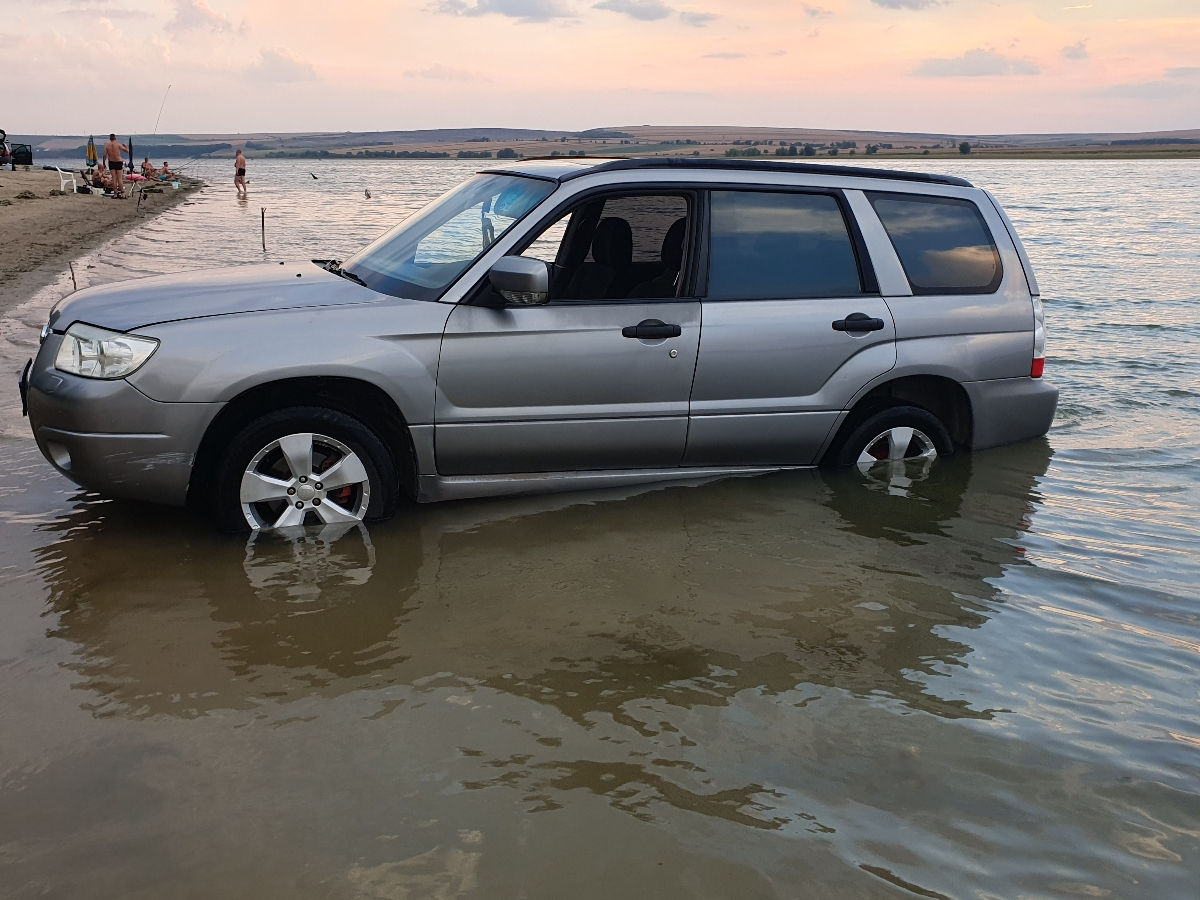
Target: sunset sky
950, 66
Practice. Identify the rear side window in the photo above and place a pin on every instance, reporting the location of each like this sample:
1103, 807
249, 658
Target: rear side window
768, 245
943, 243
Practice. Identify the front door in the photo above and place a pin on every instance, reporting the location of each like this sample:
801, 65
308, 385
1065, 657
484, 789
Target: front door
597, 378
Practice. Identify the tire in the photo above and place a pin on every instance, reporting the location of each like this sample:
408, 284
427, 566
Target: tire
270, 475
890, 436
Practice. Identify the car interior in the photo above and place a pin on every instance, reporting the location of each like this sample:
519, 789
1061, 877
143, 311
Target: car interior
615, 248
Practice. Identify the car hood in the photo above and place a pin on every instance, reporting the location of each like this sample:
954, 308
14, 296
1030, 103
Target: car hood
129, 305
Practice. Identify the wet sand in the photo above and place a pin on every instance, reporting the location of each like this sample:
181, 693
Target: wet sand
39, 237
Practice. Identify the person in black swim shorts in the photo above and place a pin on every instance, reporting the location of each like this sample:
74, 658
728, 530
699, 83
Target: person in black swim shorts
239, 178
112, 156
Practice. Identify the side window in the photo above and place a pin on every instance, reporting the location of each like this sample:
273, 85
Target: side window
768, 245
615, 247
943, 243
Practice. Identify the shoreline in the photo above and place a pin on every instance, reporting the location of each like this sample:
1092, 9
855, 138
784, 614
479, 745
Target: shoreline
41, 237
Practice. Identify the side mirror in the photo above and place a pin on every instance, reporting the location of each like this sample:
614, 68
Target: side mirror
521, 280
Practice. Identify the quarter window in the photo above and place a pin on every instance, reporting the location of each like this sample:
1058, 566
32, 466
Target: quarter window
943, 243
768, 245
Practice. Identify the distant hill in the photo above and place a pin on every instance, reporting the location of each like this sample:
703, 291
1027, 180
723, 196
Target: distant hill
692, 140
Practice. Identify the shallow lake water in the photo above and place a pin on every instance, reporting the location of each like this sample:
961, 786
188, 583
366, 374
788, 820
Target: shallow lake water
798, 685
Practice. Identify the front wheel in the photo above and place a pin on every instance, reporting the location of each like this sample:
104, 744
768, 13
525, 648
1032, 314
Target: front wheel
891, 436
304, 466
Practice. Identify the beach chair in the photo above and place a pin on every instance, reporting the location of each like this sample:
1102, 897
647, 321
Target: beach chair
64, 178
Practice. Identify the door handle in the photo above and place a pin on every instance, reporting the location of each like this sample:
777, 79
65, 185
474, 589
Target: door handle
858, 322
651, 330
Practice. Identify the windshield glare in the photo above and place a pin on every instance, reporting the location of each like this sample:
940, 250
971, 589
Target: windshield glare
423, 255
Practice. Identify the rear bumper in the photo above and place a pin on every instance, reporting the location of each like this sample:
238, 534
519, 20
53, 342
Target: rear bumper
111, 438
1007, 410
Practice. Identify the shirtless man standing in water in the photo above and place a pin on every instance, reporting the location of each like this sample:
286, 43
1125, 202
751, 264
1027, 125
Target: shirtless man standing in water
112, 156
239, 179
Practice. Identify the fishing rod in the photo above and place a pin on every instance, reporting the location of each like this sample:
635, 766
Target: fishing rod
160, 109
191, 159
153, 134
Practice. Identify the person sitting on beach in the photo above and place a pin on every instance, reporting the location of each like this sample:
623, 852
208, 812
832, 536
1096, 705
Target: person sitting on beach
148, 168
165, 172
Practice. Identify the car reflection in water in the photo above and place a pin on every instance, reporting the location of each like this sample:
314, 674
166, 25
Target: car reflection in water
615, 619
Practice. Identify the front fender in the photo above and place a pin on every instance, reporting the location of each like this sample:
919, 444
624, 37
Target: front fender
394, 345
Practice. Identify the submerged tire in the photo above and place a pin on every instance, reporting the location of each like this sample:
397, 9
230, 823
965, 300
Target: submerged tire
304, 466
893, 435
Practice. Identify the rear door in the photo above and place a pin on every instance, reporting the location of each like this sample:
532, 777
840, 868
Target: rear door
794, 327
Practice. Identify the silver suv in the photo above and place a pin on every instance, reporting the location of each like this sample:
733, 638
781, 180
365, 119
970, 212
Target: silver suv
560, 324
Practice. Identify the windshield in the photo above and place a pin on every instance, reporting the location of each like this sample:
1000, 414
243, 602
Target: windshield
423, 255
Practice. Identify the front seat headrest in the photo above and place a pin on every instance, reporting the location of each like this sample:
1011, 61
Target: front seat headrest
612, 244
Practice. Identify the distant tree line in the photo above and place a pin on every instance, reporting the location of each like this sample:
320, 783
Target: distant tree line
506, 153
781, 150
166, 151
403, 154
1153, 142
751, 149
310, 153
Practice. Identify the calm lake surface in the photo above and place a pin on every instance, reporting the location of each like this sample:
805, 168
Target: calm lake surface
790, 686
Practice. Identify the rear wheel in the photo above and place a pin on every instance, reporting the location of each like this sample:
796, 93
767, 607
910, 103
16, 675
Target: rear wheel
893, 436
304, 466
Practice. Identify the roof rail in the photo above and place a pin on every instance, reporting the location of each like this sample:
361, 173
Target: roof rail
760, 165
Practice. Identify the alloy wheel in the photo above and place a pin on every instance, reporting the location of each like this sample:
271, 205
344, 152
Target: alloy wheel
899, 443
304, 478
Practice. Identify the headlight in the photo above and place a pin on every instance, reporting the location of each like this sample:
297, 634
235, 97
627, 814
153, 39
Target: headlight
98, 353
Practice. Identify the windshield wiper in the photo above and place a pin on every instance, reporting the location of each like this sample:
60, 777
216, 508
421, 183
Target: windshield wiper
335, 266
346, 273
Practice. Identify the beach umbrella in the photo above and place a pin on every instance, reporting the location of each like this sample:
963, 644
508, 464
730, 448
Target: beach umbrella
131, 153
91, 151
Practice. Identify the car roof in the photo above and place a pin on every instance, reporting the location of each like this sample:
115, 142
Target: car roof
559, 168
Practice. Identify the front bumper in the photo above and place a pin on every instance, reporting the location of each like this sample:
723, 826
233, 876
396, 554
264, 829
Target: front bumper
110, 437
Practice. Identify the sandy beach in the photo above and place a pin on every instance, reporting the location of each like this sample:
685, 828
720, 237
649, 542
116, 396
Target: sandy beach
39, 236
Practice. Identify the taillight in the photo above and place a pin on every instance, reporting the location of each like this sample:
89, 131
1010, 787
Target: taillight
1039, 339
